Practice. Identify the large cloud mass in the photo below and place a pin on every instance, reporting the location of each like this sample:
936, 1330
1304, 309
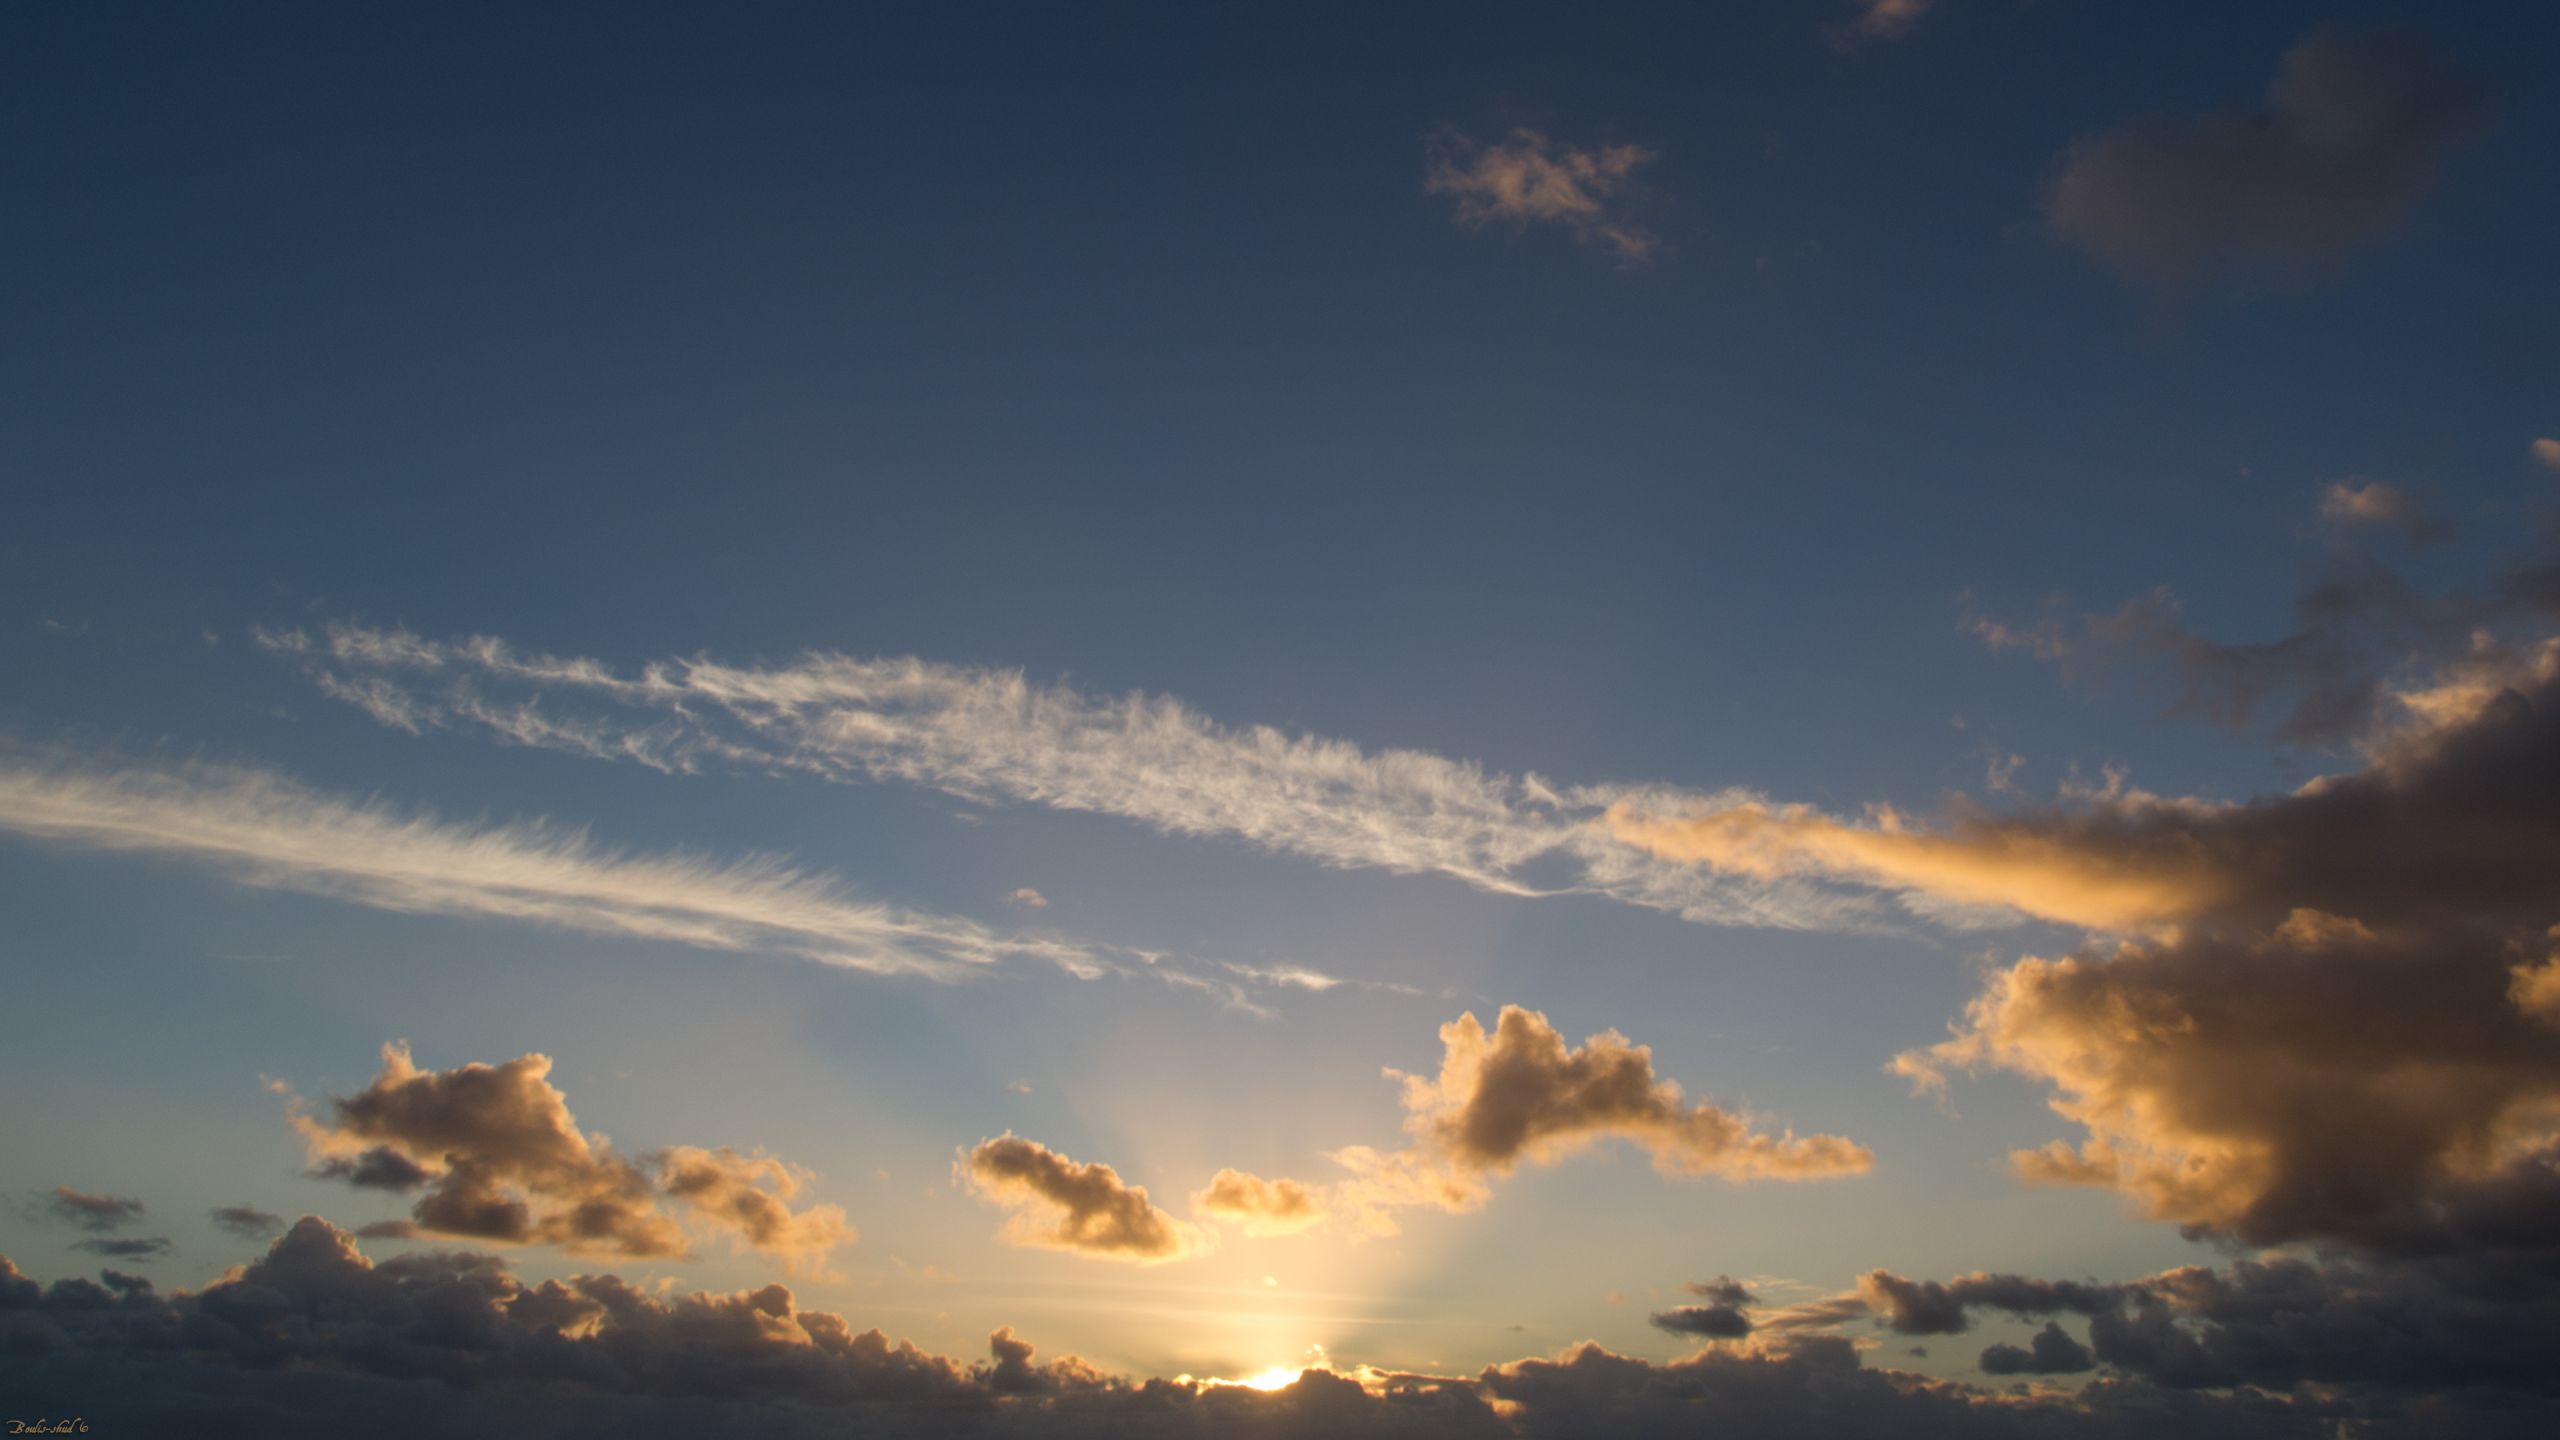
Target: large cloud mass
2353, 132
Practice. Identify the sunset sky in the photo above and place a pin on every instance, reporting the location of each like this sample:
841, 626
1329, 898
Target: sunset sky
1610, 720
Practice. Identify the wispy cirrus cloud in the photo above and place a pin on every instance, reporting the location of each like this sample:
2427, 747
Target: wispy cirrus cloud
993, 735
265, 830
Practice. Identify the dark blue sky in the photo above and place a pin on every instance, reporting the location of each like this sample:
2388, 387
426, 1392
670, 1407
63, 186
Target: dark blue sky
1138, 349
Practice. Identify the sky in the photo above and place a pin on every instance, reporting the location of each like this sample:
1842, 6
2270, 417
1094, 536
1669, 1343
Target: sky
1516, 720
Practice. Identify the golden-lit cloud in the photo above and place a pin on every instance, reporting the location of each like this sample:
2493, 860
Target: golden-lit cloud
1527, 178
2046, 871
1082, 1209
1261, 1207
1520, 1092
992, 735
266, 830
2547, 451
499, 1157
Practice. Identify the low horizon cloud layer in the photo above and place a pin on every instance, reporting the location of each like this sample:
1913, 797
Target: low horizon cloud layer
2285, 1347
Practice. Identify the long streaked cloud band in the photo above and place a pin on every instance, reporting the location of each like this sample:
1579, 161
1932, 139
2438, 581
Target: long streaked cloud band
993, 735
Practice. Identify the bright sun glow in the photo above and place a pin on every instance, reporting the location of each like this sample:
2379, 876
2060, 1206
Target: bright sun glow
1278, 1377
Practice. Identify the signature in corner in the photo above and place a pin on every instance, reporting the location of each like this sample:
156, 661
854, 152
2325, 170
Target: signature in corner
73, 1426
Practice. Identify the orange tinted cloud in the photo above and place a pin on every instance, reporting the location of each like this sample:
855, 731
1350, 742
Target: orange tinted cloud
1083, 1209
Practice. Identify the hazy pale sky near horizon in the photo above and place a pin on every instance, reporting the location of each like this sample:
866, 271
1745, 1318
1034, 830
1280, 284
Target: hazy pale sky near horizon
868, 580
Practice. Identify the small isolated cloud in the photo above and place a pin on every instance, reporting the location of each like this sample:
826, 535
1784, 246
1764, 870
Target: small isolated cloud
144, 1248
2374, 504
2548, 452
1712, 1322
499, 1157
1027, 898
1262, 1207
1018, 1087
92, 1212
248, 1221
1081, 1209
1884, 19
1529, 178
2352, 133
1520, 1092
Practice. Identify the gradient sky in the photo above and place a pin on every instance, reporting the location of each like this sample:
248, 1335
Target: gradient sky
1338, 477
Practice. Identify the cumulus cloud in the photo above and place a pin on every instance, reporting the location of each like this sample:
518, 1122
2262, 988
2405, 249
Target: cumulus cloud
2352, 133
1528, 178
989, 735
501, 1158
265, 830
316, 1337
1262, 1207
2548, 452
1028, 899
2052, 1352
92, 1212
1082, 1209
1520, 1092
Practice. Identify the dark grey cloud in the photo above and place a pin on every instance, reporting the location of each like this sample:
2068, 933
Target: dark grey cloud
2051, 1352
91, 1212
499, 1157
2353, 132
137, 1248
1714, 1322
247, 1221
313, 1338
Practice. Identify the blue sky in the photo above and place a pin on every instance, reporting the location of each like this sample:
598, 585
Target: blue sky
1769, 457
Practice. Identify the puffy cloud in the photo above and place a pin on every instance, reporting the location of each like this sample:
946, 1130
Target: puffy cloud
1262, 1207
2548, 452
1723, 1290
1028, 899
2353, 131
991, 735
2051, 1352
92, 1212
747, 1195
1082, 1209
501, 1158
1529, 178
1520, 1091
248, 1221
313, 1337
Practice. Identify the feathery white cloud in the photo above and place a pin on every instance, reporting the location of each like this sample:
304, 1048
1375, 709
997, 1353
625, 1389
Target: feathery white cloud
992, 735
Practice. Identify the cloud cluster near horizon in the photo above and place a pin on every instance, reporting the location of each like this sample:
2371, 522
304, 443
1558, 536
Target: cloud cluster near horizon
495, 1155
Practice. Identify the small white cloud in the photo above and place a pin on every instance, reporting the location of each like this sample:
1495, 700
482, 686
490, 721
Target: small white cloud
1027, 898
1020, 1087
